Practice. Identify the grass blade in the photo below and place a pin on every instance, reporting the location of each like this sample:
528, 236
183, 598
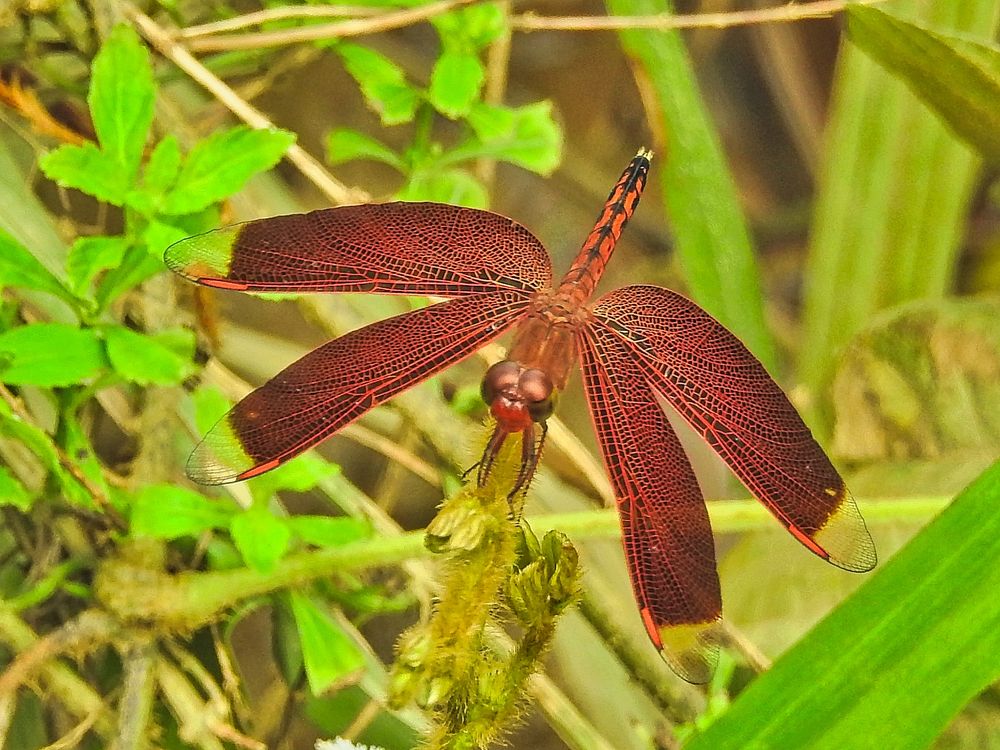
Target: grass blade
893, 197
919, 640
713, 242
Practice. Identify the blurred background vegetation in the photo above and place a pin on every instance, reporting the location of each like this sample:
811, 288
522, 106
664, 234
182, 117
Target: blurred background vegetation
832, 201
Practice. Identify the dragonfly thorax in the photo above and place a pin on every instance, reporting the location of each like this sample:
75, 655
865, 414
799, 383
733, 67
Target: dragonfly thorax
518, 396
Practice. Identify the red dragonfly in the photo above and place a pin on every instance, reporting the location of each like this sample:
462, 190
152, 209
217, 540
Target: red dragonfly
633, 344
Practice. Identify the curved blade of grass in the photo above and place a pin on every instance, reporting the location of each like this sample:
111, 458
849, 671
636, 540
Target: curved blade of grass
713, 242
893, 196
919, 640
958, 78
24, 218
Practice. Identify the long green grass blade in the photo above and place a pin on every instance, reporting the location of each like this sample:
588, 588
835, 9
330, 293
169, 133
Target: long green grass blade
898, 660
893, 197
713, 242
957, 77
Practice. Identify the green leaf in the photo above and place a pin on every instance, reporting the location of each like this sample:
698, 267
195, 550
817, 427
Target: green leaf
75, 443
12, 492
261, 538
957, 77
168, 512
711, 234
928, 617
382, 82
344, 145
19, 268
455, 83
50, 355
91, 255
892, 200
210, 404
41, 445
445, 186
137, 266
121, 98
221, 164
285, 642
527, 136
88, 170
328, 653
326, 531
163, 166
158, 236
300, 474
163, 359
471, 28
920, 383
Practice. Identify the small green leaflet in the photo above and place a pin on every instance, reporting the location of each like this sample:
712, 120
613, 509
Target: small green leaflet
526, 136
261, 538
221, 164
455, 83
453, 186
88, 170
472, 28
382, 83
163, 166
161, 359
122, 93
328, 653
12, 492
168, 512
20, 269
121, 97
50, 355
344, 145
89, 256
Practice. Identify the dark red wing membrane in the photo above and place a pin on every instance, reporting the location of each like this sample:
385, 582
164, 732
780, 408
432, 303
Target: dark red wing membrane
337, 383
665, 527
389, 248
711, 378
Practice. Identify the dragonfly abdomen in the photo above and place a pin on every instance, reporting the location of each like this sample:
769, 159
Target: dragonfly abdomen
580, 281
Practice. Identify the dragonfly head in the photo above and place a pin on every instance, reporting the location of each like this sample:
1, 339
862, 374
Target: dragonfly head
518, 396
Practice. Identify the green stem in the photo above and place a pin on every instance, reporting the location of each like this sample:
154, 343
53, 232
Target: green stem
191, 599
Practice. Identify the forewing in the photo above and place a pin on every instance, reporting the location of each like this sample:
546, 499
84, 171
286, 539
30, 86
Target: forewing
665, 527
721, 389
338, 382
388, 248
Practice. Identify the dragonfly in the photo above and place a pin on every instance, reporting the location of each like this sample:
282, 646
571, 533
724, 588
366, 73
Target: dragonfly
635, 345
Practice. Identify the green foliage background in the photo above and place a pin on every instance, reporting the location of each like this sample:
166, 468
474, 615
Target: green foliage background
261, 606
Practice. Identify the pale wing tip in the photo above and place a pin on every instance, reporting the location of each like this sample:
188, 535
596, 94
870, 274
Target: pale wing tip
845, 537
207, 255
691, 651
205, 470
219, 458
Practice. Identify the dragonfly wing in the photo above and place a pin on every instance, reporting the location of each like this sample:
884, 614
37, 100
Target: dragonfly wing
721, 389
388, 248
338, 382
665, 527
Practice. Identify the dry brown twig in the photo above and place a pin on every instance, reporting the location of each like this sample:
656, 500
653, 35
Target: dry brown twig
277, 14
310, 167
664, 21
336, 30
215, 37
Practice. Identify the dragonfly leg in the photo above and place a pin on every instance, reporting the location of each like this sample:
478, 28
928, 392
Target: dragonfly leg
489, 455
531, 452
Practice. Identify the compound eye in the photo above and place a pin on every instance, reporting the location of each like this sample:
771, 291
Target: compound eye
536, 389
499, 378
